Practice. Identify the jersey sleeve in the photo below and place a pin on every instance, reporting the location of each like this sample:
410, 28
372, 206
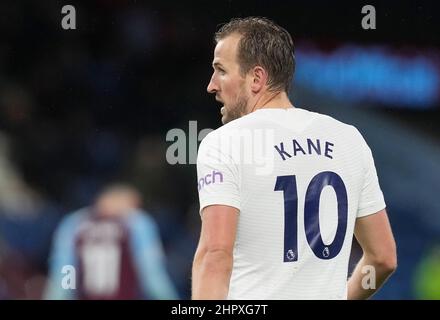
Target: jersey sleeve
63, 255
371, 198
149, 257
217, 173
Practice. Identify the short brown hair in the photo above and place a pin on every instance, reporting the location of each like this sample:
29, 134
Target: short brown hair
263, 43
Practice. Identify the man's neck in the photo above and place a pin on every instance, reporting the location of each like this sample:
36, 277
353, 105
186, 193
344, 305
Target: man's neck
278, 100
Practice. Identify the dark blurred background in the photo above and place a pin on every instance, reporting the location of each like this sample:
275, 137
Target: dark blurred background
81, 108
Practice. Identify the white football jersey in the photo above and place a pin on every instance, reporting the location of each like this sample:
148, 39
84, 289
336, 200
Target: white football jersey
300, 179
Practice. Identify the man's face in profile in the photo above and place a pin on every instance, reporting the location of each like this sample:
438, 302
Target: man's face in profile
227, 82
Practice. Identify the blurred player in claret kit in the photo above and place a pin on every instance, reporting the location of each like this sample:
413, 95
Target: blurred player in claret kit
285, 233
115, 249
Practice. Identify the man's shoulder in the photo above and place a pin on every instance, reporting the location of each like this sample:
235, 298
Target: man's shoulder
231, 126
330, 119
224, 131
241, 126
328, 122
76, 216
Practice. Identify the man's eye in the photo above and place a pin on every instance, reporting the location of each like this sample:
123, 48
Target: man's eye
221, 71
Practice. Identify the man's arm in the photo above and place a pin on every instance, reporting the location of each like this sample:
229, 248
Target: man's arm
212, 266
374, 235
149, 257
63, 254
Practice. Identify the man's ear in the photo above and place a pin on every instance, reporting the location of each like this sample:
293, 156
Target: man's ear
259, 79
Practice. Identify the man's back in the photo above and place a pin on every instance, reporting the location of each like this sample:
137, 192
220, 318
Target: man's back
300, 180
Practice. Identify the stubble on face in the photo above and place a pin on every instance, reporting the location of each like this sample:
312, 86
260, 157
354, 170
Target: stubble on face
236, 109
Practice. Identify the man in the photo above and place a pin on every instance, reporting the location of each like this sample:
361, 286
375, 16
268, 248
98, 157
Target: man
115, 249
284, 232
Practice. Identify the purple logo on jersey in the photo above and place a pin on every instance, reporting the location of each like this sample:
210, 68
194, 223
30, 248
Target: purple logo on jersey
214, 177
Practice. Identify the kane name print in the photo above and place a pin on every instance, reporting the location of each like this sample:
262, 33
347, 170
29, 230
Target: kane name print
306, 147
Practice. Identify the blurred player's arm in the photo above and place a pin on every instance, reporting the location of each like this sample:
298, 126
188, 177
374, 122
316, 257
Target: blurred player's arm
150, 258
373, 232
62, 255
212, 266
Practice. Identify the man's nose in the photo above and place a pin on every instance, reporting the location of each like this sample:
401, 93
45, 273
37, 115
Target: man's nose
212, 86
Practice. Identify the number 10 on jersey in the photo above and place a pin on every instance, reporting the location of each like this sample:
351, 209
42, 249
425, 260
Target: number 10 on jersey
288, 185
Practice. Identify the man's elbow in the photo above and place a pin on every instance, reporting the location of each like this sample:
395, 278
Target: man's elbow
390, 263
217, 259
387, 261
